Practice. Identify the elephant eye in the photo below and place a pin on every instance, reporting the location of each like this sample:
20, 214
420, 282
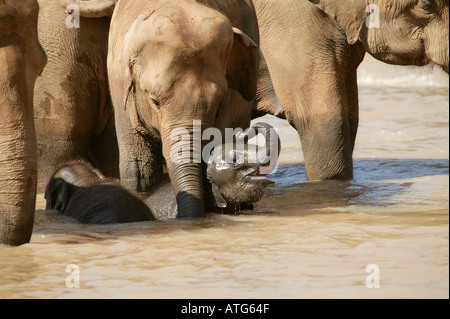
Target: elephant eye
427, 5
156, 103
237, 158
234, 158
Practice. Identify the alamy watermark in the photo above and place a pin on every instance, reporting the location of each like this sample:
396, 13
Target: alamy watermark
187, 147
73, 20
373, 279
373, 20
73, 279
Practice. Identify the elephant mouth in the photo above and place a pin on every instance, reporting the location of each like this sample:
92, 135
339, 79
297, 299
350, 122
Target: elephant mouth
254, 175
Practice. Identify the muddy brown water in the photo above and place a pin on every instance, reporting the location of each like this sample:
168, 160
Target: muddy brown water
389, 226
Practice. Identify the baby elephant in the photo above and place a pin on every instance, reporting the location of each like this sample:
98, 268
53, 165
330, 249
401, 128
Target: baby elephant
80, 191
238, 175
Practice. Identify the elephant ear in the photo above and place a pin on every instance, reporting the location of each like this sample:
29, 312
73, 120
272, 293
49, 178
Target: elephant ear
92, 8
349, 14
242, 67
57, 195
218, 197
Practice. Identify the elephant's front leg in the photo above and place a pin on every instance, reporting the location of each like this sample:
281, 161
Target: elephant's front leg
327, 147
327, 126
327, 119
141, 161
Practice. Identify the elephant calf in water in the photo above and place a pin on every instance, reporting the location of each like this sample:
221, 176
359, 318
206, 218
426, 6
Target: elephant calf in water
80, 191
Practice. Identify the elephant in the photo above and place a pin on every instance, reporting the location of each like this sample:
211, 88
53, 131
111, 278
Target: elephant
313, 49
242, 180
21, 61
73, 110
172, 65
236, 172
80, 191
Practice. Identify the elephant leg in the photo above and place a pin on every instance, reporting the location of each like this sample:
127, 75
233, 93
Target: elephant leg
140, 158
327, 148
17, 174
324, 128
328, 118
18, 156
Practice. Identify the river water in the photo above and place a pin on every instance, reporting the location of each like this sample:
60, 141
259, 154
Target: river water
383, 235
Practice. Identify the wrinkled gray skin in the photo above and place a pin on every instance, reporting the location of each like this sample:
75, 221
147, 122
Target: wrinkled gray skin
313, 49
72, 108
21, 60
80, 191
172, 62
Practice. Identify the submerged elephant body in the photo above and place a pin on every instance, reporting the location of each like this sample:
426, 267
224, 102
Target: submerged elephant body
104, 203
80, 191
170, 64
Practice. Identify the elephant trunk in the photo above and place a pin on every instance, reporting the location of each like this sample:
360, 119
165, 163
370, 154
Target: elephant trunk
185, 175
273, 144
272, 148
187, 180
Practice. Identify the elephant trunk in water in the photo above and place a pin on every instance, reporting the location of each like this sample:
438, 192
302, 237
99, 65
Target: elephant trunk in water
185, 175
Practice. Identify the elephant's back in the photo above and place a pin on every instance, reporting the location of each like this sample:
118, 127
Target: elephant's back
106, 204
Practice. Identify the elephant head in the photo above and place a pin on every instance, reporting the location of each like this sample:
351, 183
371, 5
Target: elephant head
80, 173
182, 60
21, 61
404, 32
238, 173
77, 176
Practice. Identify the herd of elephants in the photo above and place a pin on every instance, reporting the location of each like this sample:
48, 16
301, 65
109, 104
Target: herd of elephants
91, 92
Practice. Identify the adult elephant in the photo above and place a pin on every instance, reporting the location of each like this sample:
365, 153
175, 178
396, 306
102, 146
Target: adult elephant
313, 49
21, 60
73, 110
171, 63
